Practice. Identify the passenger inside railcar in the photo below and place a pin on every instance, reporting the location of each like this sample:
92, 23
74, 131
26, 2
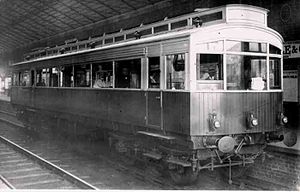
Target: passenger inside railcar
102, 75
209, 71
82, 75
41, 83
25, 78
128, 74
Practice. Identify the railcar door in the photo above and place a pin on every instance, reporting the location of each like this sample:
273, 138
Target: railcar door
154, 99
154, 95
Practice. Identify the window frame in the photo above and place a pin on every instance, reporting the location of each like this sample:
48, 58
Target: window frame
186, 71
142, 78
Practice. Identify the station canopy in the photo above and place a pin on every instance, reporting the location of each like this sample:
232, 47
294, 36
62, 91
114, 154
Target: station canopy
23, 22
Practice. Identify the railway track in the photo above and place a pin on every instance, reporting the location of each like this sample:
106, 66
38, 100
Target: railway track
137, 173
24, 170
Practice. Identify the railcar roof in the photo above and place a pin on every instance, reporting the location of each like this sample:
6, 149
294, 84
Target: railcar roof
218, 14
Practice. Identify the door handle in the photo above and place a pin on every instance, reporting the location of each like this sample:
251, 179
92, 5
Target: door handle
157, 97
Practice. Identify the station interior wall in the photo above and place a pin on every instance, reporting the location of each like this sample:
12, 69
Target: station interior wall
292, 108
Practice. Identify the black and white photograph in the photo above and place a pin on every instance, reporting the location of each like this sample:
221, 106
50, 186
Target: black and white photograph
150, 95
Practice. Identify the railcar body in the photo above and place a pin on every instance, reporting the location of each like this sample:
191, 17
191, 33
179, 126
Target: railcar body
194, 92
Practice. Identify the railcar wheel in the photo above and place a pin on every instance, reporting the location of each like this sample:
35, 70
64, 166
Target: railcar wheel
183, 176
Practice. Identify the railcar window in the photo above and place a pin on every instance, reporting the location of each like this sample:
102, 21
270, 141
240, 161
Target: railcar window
102, 75
54, 77
175, 71
246, 46
42, 76
246, 72
82, 74
32, 80
128, 74
209, 17
25, 78
154, 72
66, 77
275, 73
209, 67
15, 79
274, 49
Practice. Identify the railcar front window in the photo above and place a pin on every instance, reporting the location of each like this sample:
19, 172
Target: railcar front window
274, 50
128, 74
246, 72
154, 72
209, 67
102, 75
275, 73
175, 71
209, 71
82, 74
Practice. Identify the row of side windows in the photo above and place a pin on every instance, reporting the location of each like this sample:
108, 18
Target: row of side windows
122, 74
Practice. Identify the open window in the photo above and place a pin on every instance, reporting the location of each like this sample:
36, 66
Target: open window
42, 76
25, 78
102, 75
128, 73
209, 71
82, 74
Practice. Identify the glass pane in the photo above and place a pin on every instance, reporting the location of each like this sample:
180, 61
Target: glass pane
274, 50
179, 24
39, 80
246, 46
41, 77
128, 74
275, 73
66, 76
209, 67
82, 74
175, 71
15, 79
211, 46
25, 78
103, 75
54, 77
209, 17
154, 72
246, 72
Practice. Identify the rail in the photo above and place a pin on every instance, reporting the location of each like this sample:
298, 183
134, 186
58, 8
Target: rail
71, 178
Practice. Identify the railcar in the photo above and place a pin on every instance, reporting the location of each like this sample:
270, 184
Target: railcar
198, 91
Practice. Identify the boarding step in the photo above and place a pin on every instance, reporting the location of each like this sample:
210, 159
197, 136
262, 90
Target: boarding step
156, 135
